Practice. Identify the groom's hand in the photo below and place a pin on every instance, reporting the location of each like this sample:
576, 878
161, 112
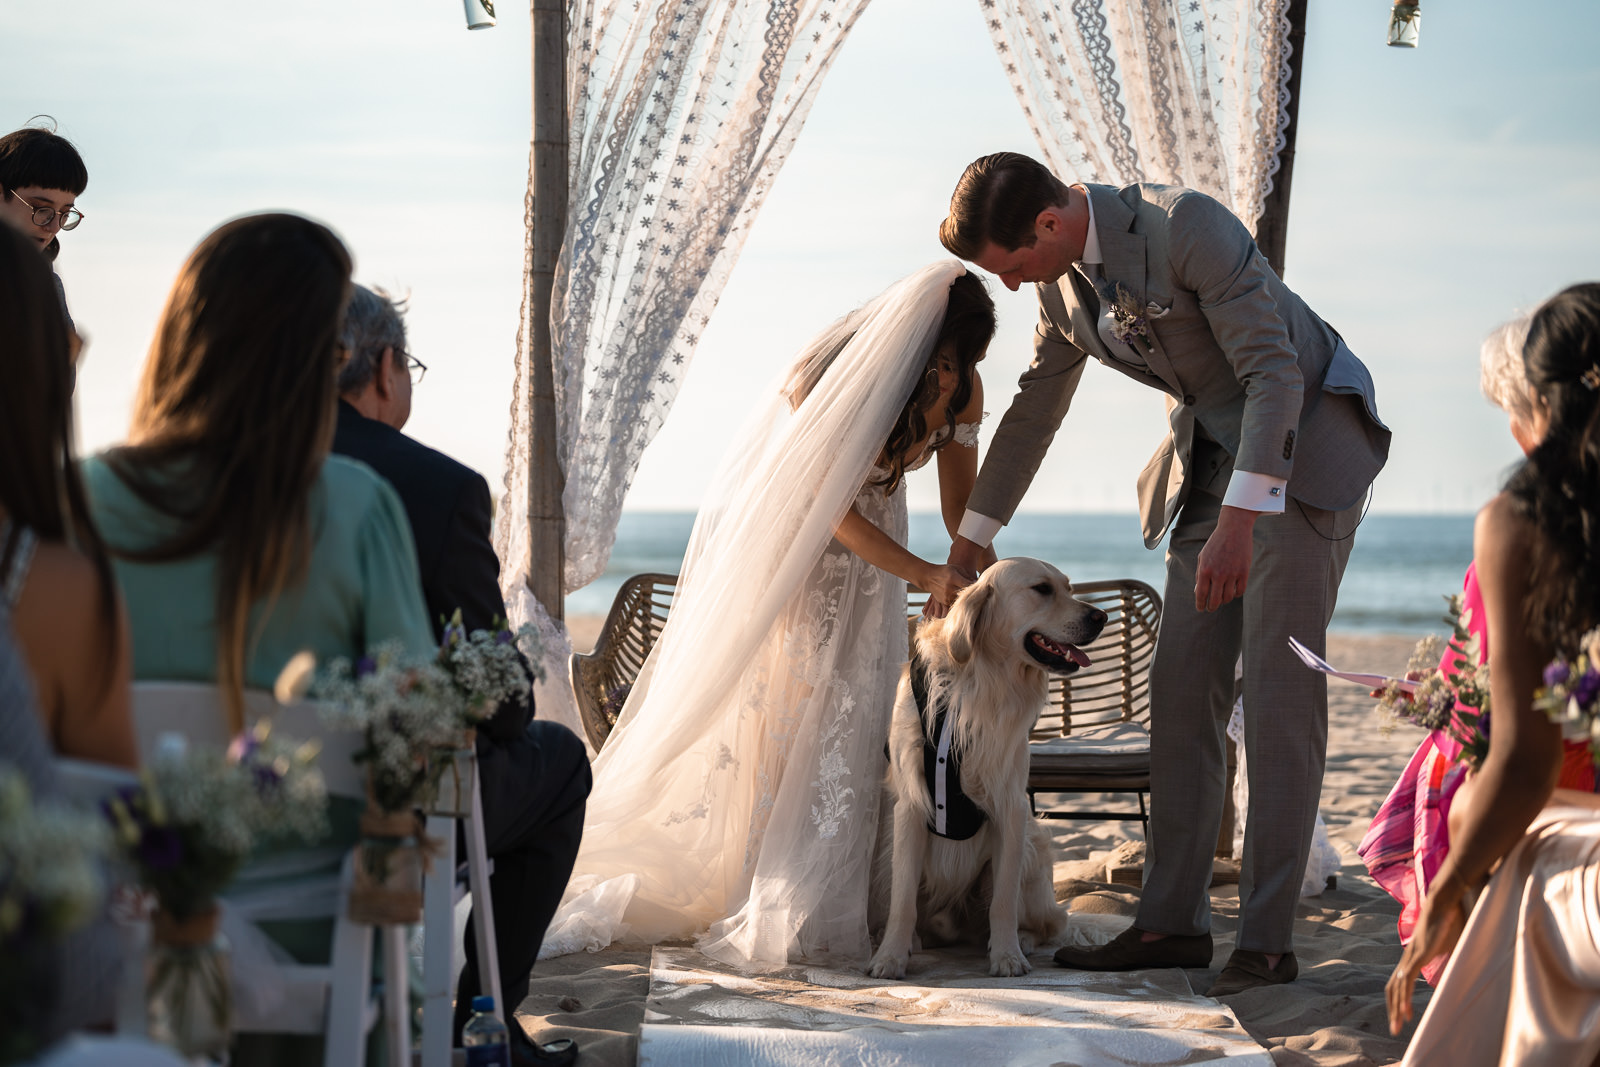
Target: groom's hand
961, 569
968, 558
1224, 565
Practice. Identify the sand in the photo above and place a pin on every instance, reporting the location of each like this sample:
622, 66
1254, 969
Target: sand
1345, 939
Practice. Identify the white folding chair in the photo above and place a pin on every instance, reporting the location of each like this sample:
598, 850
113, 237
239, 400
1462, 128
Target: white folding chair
443, 891
335, 999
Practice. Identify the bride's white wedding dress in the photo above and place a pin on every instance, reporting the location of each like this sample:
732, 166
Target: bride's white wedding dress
737, 798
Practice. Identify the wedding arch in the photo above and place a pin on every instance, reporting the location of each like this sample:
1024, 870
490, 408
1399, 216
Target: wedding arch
658, 131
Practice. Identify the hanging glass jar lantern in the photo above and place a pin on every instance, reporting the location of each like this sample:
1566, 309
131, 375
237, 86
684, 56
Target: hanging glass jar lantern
1405, 23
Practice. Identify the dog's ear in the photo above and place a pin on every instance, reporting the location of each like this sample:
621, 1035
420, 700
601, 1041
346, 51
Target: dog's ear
967, 618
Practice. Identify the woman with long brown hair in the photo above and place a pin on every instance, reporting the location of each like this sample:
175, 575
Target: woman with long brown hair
54, 574
1523, 985
238, 539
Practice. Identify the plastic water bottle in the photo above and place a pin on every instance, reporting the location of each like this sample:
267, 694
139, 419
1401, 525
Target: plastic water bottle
487, 1042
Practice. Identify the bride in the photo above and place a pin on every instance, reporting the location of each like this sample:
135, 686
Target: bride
737, 796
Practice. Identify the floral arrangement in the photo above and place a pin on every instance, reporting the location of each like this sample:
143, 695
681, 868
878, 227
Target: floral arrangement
1127, 317
403, 705
51, 883
410, 707
197, 813
416, 715
485, 666
50, 856
1453, 699
1571, 693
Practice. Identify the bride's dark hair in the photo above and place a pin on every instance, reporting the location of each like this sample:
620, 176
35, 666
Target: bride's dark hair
964, 334
1558, 488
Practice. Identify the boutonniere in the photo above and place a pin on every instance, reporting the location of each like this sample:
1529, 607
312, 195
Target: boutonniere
1127, 317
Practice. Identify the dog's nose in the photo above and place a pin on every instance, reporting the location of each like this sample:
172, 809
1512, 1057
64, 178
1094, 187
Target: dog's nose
1098, 617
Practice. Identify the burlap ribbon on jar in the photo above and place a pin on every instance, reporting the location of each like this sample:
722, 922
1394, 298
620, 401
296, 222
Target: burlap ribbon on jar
393, 854
198, 929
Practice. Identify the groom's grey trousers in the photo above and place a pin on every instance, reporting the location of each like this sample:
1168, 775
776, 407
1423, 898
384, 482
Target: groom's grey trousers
1298, 560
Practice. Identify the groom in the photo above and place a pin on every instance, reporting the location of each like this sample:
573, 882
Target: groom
1274, 441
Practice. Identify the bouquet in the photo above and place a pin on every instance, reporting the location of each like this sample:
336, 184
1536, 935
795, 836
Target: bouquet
197, 813
1571, 693
51, 883
185, 829
487, 671
1450, 697
405, 708
416, 714
485, 667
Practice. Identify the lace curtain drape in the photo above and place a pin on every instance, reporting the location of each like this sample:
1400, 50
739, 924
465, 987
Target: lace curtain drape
682, 114
1183, 92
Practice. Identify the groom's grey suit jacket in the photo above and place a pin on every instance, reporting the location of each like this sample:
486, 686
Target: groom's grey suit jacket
1234, 349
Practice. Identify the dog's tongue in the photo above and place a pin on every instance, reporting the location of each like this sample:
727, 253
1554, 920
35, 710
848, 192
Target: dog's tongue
1076, 655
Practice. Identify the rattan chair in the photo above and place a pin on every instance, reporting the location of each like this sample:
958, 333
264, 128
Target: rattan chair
601, 679
1094, 734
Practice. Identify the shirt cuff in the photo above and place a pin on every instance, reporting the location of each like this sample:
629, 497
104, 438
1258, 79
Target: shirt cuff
1255, 492
979, 529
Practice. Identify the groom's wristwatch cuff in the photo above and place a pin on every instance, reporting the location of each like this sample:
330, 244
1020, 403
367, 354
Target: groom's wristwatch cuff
1254, 492
979, 529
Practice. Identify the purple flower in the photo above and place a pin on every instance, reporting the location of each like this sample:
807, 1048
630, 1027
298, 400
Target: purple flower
1558, 671
160, 848
1585, 688
504, 637
243, 747
365, 666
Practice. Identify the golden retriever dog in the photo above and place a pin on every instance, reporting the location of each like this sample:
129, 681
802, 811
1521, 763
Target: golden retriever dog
958, 836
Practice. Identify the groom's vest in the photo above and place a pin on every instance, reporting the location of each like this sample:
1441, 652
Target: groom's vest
955, 815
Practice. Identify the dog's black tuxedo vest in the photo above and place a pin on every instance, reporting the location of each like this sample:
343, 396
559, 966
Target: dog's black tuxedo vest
955, 815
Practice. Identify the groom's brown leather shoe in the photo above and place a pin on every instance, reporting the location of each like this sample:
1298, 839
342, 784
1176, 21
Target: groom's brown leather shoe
1247, 970
1129, 952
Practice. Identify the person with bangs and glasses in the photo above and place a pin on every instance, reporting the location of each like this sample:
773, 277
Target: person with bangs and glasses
41, 178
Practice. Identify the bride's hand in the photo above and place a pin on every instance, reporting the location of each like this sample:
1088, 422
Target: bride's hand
942, 582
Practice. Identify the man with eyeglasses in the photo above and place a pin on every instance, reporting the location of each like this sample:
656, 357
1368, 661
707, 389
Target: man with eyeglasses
41, 178
533, 774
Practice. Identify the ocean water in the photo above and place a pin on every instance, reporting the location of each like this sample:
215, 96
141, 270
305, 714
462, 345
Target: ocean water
1401, 569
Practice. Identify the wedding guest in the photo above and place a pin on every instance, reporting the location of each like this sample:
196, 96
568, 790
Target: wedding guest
238, 539
1523, 985
534, 775
1409, 836
54, 573
41, 178
1273, 443
88, 961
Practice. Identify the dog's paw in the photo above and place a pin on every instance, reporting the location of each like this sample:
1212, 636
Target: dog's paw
1025, 942
1009, 963
888, 963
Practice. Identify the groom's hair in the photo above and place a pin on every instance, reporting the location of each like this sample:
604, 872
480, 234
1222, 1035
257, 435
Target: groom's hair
997, 200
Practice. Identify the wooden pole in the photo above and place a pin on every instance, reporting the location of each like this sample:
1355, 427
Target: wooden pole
546, 517
1272, 229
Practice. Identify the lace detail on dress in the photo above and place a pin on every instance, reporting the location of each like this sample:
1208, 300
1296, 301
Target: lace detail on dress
967, 433
833, 796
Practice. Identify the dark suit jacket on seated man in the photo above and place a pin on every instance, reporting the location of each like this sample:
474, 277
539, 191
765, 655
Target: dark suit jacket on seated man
534, 774
1274, 442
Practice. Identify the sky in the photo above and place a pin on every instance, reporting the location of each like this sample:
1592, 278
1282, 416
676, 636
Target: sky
1436, 192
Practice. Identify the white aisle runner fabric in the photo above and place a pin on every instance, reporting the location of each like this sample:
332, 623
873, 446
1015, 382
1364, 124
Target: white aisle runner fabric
702, 1013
